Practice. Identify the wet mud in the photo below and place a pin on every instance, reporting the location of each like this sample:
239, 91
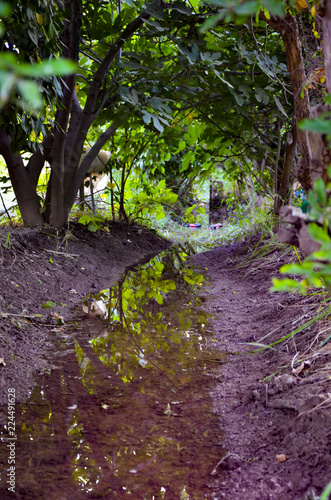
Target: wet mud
124, 408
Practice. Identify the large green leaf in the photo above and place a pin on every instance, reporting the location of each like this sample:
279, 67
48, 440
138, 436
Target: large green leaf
320, 125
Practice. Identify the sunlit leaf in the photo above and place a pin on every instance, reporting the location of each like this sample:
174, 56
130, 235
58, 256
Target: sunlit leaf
318, 233
48, 304
287, 285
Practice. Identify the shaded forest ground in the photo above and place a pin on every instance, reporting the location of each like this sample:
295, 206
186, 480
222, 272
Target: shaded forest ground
276, 429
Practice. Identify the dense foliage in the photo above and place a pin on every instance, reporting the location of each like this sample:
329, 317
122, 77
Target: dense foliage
171, 89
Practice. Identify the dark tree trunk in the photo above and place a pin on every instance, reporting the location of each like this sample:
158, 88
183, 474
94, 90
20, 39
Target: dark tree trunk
24, 185
327, 43
314, 148
290, 151
288, 29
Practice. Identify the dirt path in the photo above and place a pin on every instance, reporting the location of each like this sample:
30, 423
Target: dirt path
260, 417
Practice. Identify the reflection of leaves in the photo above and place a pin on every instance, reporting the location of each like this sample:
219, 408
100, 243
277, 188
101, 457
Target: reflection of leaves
149, 338
189, 280
193, 279
151, 332
153, 294
176, 337
165, 285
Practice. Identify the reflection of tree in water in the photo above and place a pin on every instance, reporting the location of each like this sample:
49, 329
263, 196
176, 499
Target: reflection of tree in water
133, 414
145, 306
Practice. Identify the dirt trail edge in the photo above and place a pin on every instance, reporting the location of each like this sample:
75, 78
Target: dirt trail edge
276, 444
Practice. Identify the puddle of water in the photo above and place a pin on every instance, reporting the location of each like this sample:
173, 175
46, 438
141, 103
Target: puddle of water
125, 409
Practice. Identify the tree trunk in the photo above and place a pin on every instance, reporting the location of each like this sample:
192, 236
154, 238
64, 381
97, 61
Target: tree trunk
26, 195
318, 147
314, 147
63, 148
24, 187
327, 43
295, 66
288, 29
290, 151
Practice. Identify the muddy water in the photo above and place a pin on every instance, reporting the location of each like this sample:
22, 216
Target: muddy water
124, 410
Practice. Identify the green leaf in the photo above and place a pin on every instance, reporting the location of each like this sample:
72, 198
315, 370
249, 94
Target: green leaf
156, 25
158, 297
261, 95
326, 492
7, 83
275, 7
217, 73
195, 4
301, 269
160, 105
84, 219
30, 93
34, 36
4, 9
318, 233
287, 285
155, 11
187, 159
279, 106
318, 125
189, 280
57, 67
157, 123
240, 101
129, 95
147, 116
247, 8
212, 21
194, 131
48, 304
320, 192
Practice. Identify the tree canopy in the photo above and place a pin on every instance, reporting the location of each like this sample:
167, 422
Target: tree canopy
193, 84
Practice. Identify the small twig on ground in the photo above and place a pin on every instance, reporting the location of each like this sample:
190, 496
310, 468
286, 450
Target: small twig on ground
293, 360
230, 454
321, 405
61, 253
22, 315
